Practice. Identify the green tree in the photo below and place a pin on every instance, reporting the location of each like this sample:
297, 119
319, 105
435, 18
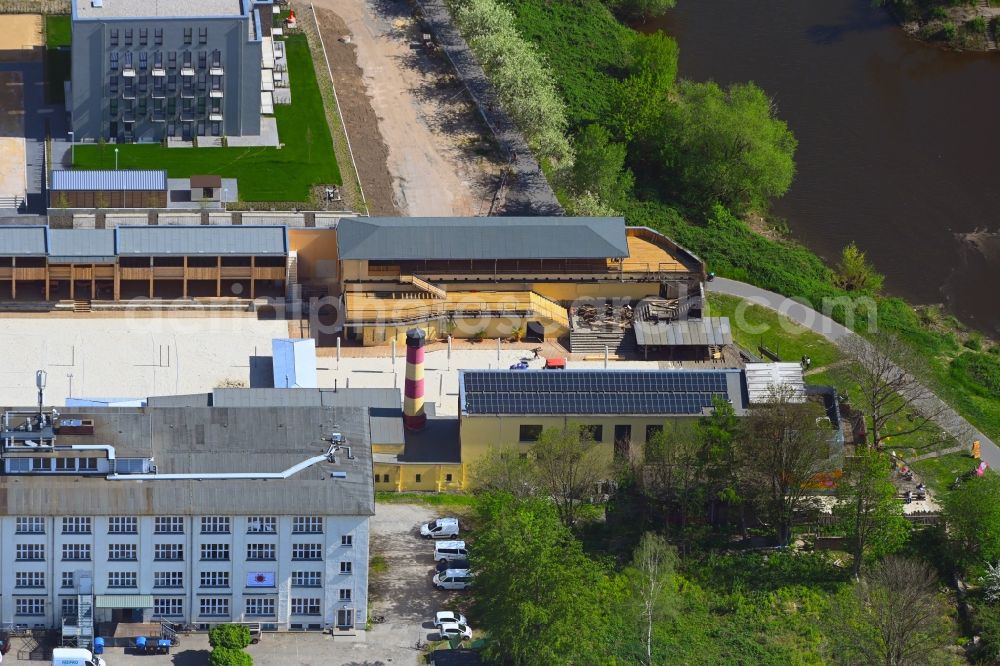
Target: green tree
670, 471
504, 469
718, 433
570, 464
644, 93
222, 656
642, 8
972, 513
893, 616
868, 508
542, 600
652, 580
725, 146
855, 273
229, 636
783, 448
599, 165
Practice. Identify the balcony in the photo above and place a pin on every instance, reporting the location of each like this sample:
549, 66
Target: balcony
216, 70
215, 93
159, 94
128, 93
128, 72
187, 71
187, 94
159, 117
159, 71
217, 117
187, 116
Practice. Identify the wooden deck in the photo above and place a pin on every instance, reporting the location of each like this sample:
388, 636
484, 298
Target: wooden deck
412, 306
647, 257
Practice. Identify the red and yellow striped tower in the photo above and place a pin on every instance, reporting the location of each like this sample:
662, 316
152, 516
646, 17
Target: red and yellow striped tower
414, 417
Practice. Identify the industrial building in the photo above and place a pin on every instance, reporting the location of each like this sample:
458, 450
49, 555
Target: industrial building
147, 71
108, 189
237, 505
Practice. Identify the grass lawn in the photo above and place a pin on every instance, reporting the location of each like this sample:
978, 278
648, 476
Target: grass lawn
57, 56
264, 173
940, 472
431, 499
754, 325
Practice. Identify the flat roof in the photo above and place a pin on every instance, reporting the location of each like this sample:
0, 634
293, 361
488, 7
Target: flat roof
123, 9
442, 238
190, 440
207, 240
112, 180
597, 392
23, 241
709, 331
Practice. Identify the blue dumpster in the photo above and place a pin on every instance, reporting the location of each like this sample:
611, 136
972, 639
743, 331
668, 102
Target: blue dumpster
98, 645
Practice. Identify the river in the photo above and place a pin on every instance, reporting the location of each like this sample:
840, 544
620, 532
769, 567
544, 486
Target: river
899, 141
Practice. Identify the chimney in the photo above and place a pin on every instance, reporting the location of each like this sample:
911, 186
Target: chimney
413, 391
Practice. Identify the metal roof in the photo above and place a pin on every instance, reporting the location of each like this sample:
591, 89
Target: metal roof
119, 9
207, 240
763, 378
593, 392
70, 244
690, 332
77, 179
440, 238
23, 241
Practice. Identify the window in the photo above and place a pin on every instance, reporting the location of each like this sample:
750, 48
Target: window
213, 607
29, 606
158, 36
262, 525
261, 551
168, 551
168, 525
114, 61
143, 64
113, 108
385, 478
214, 579
215, 551
305, 606
87, 464
307, 579
113, 37
172, 59
167, 606
168, 579
257, 606
121, 579
202, 60
143, 36
594, 432
67, 579
345, 567
30, 551
65, 464
118, 552
128, 36
307, 525
76, 552
29, 579
346, 540
345, 594
216, 58
215, 525
652, 431
30, 525
307, 551
529, 433
417, 478
187, 59
122, 525
203, 35
187, 35
69, 606
447, 478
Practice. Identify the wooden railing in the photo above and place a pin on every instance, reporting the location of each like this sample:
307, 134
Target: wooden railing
143, 273
269, 273
29, 273
201, 273
424, 285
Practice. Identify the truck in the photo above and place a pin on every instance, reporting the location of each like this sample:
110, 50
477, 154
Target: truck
75, 657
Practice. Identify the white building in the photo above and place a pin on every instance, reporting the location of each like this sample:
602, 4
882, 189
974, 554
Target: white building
230, 506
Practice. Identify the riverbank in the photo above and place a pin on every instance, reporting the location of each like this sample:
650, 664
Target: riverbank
584, 46
962, 27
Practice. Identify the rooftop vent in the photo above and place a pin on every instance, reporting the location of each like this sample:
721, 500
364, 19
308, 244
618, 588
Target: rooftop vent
338, 475
97, 3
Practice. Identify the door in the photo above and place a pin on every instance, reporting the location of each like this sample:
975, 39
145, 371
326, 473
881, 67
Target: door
345, 618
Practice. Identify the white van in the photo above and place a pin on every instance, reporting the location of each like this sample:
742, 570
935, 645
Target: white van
75, 657
442, 528
453, 579
447, 551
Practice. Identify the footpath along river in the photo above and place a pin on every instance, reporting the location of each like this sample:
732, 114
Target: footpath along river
899, 142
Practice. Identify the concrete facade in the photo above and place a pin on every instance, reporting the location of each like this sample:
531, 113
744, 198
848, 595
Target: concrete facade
142, 76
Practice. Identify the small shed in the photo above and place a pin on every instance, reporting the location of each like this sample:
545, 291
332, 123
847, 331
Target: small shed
206, 188
294, 363
108, 189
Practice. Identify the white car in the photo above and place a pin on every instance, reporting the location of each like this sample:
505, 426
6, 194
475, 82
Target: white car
442, 528
455, 630
453, 579
445, 617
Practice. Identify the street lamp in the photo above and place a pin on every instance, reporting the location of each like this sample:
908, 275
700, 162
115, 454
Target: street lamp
72, 149
116, 158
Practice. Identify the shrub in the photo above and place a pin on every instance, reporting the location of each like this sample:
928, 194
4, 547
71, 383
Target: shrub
977, 25
948, 31
229, 657
855, 273
229, 636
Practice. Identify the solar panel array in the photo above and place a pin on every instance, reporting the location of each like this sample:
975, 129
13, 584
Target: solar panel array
591, 392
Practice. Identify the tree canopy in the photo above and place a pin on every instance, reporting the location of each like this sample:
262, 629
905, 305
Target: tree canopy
972, 513
231, 636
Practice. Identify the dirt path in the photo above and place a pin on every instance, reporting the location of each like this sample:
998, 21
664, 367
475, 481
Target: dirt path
409, 120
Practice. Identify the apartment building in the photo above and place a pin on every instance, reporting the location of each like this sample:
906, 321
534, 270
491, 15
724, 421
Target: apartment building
232, 506
144, 71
